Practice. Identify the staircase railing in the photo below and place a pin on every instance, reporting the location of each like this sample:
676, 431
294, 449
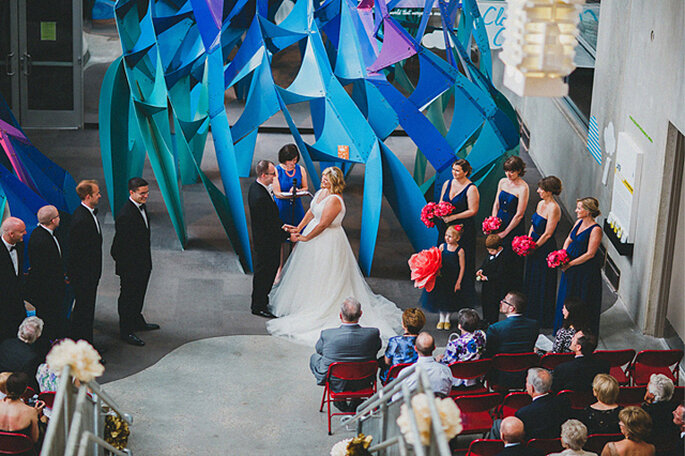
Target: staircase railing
377, 416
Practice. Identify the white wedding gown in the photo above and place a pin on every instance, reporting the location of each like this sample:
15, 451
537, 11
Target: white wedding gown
318, 276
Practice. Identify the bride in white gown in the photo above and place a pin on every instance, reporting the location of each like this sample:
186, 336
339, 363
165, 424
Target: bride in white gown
322, 271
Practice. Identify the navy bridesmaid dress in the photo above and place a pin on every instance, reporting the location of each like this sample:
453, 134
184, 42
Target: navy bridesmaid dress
508, 204
541, 280
290, 211
443, 298
467, 241
583, 281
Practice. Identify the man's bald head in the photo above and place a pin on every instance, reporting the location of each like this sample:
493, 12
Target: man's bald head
425, 344
511, 430
48, 216
13, 230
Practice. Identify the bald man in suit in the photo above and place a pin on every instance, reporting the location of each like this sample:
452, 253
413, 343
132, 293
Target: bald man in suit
11, 277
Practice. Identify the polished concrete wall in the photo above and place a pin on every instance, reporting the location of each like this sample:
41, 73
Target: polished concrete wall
638, 73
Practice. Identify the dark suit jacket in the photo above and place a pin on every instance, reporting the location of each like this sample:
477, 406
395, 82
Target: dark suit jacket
512, 335
84, 260
542, 418
267, 234
665, 433
346, 343
498, 283
131, 245
521, 450
45, 283
12, 307
18, 356
578, 374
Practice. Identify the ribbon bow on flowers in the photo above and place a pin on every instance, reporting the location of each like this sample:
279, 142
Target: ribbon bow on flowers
425, 267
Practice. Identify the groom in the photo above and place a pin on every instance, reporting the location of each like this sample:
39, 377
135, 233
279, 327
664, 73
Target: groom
268, 231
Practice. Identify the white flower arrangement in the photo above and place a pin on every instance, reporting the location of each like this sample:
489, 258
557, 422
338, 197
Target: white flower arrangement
81, 356
340, 448
450, 417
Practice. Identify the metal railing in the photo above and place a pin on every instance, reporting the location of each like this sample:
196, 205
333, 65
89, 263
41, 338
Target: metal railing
377, 415
77, 421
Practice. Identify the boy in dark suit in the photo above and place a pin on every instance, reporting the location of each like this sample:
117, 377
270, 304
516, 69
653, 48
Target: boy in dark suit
492, 274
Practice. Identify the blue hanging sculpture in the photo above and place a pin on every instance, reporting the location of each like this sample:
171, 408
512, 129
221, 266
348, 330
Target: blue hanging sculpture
179, 57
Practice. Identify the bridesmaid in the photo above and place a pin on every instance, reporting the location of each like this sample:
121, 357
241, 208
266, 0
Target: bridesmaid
581, 277
288, 173
465, 198
510, 206
541, 281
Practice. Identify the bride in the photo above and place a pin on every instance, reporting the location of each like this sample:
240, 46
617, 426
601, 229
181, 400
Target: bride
322, 272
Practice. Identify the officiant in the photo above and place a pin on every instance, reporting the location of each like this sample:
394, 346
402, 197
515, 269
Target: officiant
291, 180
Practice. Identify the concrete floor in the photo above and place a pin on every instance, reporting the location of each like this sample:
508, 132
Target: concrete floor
192, 392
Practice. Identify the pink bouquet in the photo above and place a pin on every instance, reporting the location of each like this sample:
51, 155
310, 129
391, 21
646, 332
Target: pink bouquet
557, 258
432, 211
491, 224
425, 267
523, 245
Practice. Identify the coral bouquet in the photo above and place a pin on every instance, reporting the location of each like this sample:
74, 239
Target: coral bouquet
433, 211
557, 258
491, 224
523, 245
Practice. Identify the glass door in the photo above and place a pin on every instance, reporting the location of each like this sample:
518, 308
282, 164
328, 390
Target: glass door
50, 49
9, 54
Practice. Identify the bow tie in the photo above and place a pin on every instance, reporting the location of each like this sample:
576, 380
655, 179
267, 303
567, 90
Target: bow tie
14, 247
142, 207
95, 211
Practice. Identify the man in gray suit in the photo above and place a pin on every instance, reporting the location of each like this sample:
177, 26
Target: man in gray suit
349, 342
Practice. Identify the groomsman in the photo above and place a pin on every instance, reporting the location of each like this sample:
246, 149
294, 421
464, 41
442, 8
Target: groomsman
12, 307
46, 281
84, 262
133, 259
268, 231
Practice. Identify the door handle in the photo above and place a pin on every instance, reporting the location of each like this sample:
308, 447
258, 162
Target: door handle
26, 63
8, 63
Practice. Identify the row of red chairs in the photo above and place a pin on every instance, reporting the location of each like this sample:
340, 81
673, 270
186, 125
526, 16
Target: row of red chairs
595, 443
15, 443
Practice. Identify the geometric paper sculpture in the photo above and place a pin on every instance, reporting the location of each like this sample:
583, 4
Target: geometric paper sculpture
180, 57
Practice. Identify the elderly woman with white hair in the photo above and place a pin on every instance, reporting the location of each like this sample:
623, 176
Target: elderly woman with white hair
659, 406
573, 437
20, 354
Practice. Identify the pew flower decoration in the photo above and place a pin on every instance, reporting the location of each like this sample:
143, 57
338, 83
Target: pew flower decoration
523, 245
425, 267
557, 258
450, 417
81, 356
358, 446
491, 224
432, 211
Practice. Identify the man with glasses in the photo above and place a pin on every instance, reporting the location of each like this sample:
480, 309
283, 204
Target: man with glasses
46, 281
268, 231
514, 334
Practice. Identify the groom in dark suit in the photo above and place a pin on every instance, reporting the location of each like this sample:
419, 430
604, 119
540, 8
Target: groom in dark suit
84, 262
349, 342
131, 253
11, 277
268, 231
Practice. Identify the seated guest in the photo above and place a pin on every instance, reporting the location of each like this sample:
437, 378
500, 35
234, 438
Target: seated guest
660, 408
573, 437
513, 435
347, 343
401, 348
469, 346
542, 418
514, 334
19, 354
439, 375
574, 321
635, 426
15, 416
579, 373
679, 421
602, 416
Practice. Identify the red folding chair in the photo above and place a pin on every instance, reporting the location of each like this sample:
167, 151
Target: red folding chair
469, 370
596, 442
512, 402
475, 412
394, 372
631, 395
678, 394
348, 371
649, 362
48, 397
485, 447
28, 394
511, 362
577, 400
619, 360
546, 445
551, 360
15, 443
